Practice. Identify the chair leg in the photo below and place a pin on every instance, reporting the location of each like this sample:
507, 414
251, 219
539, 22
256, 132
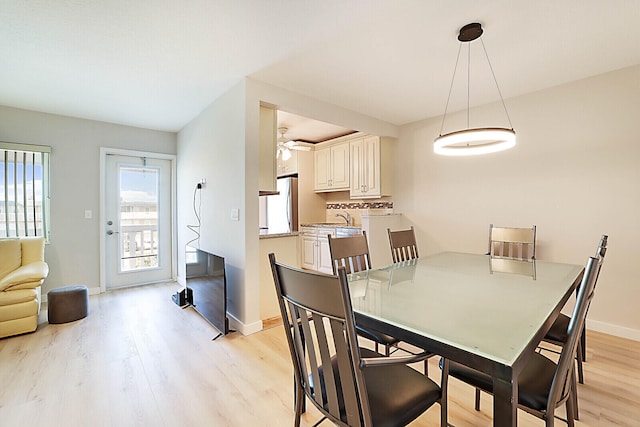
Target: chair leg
579, 359
444, 389
426, 367
574, 397
477, 399
570, 412
300, 404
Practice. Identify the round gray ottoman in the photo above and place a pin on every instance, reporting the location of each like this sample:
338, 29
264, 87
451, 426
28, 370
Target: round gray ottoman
68, 303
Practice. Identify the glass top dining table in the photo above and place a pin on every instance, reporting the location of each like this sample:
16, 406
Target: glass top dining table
487, 313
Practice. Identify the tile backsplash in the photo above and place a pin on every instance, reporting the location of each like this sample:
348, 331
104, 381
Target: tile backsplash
356, 209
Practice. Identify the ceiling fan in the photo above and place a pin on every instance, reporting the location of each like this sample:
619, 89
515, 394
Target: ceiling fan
285, 145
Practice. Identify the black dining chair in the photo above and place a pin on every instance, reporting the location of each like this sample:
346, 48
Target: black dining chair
350, 386
557, 334
352, 253
404, 247
544, 385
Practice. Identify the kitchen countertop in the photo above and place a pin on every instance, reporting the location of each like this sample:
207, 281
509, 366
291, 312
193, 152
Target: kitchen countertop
330, 224
271, 236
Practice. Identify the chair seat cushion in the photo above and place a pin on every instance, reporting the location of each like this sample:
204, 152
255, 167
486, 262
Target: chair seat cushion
398, 394
558, 331
534, 382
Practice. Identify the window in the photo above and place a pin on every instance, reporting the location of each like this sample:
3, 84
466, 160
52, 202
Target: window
24, 190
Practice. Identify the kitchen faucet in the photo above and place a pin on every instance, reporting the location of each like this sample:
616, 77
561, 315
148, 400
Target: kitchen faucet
346, 217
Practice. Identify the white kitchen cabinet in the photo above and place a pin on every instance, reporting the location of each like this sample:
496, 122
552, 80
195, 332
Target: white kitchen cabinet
314, 246
370, 172
289, 166
331, 168
267, 151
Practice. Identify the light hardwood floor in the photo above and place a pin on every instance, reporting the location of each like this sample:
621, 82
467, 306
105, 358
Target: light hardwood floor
139, 360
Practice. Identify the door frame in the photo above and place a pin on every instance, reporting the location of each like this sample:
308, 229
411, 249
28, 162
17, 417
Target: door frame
104, 151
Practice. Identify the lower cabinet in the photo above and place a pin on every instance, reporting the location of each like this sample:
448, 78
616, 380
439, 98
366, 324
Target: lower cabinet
314, 242
315, 248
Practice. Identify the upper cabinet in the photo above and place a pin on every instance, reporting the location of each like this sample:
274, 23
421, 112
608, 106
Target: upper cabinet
332, 167
267, 173
289, 166
370, 175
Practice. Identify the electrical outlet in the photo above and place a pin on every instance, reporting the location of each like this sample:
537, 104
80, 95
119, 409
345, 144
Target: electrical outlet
235, 214
88, 214
202, 182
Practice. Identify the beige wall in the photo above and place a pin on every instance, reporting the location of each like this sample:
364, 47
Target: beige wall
213, 147
286, 251
575, 174
74, 252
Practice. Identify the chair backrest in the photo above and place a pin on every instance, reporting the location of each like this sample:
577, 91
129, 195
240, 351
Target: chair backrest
403, 244
512, 242
350, 252
561, 385
602, 246
320, 330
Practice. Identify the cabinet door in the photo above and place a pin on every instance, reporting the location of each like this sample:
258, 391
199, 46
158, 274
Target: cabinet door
339, 167
267, 143
324, 255
365, 168
371, 170
356, 187
322, 159
309, 258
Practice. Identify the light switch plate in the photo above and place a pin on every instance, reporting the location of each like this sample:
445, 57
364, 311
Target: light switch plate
88, 214
235, 214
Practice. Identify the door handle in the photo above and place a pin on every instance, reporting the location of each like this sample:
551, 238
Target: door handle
110, 232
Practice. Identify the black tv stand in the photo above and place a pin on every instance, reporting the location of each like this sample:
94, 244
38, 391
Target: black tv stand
183, 298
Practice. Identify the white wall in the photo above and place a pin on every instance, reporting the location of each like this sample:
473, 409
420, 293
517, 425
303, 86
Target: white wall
575, 174
74, 252
213, 147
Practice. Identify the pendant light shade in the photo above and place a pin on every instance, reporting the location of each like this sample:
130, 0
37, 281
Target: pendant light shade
473, 141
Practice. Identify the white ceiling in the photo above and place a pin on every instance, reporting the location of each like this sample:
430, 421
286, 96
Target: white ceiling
158, 64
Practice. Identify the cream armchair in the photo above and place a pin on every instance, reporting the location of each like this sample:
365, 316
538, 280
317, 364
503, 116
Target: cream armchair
22, 271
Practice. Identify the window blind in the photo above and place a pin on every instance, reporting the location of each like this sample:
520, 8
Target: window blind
24, 190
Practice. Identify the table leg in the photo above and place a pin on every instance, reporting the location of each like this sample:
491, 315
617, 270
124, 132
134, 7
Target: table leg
505, 406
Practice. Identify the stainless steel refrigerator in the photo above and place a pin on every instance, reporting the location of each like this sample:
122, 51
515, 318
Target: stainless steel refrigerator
279, 213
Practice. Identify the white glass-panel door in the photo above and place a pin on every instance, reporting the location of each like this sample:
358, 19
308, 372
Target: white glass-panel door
137, 211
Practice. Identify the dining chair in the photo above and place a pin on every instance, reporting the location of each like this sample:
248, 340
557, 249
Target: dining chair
352, 253
350, 386
403, 244
512, 242
544, 385
557, 334
405, 248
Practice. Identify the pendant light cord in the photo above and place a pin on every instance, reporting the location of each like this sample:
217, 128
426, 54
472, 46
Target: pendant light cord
496, 82
450, 88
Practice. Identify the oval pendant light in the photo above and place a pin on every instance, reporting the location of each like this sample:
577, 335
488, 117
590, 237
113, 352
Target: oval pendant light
474, 141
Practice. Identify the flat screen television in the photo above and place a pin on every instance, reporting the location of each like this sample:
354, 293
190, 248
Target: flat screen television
206, 278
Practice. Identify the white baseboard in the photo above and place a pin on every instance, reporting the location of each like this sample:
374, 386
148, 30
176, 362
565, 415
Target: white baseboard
618, 331
243, 328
